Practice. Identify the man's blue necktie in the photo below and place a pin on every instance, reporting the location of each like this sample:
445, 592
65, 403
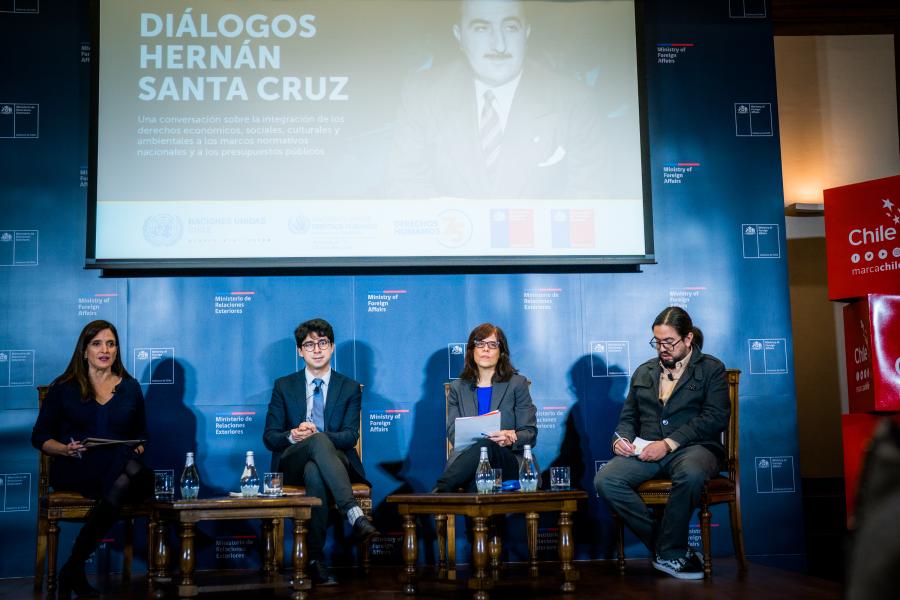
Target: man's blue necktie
318, 407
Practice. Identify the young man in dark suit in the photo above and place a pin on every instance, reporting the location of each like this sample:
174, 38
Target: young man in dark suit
312, 427
678, 402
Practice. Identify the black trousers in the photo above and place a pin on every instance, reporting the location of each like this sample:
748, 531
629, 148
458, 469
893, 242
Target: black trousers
323, 469
460, 473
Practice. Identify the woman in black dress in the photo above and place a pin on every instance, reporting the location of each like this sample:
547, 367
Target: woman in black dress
94, 397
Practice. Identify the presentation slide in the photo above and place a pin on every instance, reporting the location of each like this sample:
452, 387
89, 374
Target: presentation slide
366, 132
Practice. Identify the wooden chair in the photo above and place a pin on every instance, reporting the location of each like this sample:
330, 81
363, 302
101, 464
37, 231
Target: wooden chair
362, 493
719, 489
54, 507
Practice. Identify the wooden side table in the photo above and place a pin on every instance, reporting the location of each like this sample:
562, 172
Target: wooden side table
481, 507
187, 513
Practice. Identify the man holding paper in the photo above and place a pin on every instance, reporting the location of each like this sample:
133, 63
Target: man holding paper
488, 384
669, 427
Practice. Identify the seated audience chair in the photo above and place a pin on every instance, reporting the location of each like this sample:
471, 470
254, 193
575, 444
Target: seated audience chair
719, 489
54, 507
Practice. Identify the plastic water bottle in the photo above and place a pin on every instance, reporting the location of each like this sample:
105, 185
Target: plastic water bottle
249, 478
528, 476
484, 476
190, 479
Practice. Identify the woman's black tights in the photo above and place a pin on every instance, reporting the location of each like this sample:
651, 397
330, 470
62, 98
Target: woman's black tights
134, 483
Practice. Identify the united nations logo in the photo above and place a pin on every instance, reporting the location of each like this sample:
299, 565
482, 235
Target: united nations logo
455, 228
743, 109
599, 348
750, 230
4, 357
6, 237
756, 346
6, 110
763, 464
298, 224
163, 229
143, 355
456, 349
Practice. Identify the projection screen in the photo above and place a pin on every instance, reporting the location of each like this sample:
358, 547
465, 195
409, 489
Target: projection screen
367, 133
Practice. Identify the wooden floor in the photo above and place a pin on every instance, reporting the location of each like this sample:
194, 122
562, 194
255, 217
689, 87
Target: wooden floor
598, 580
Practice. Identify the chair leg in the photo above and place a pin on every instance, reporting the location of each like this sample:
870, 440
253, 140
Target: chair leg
40, 552
128, 550
705, 518
737, 534
52, 547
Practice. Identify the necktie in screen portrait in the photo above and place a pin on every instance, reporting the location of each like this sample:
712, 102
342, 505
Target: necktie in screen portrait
490, 130
318, 407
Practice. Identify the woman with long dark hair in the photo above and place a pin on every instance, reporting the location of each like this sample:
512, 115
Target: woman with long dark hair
94, 397
489, 382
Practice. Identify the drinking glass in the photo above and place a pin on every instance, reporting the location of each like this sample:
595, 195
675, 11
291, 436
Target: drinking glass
164, 485
559, 478
273, 484
498, 480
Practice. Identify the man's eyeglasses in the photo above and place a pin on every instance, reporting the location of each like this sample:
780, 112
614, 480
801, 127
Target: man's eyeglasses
322, 343
667, 345
490, 345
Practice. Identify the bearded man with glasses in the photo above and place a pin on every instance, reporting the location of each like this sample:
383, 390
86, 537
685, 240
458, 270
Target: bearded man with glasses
678, 402
312, 426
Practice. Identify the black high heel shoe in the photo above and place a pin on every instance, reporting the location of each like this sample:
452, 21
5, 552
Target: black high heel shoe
72, 580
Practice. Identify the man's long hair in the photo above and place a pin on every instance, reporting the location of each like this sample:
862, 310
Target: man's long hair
678, 319
77, 370
504, 370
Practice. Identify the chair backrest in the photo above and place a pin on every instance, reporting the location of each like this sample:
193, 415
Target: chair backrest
359, 436
731, 435
44, 460
447, 414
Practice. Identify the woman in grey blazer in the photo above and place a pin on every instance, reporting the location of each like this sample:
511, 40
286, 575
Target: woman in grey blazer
489, 382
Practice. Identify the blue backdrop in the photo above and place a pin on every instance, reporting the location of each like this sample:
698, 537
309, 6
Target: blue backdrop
208, 348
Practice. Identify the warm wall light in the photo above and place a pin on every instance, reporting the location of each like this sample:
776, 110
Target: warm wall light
805, 209
807, 191
837, 112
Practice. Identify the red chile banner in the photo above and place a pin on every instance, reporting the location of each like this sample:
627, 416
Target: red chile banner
862, 222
